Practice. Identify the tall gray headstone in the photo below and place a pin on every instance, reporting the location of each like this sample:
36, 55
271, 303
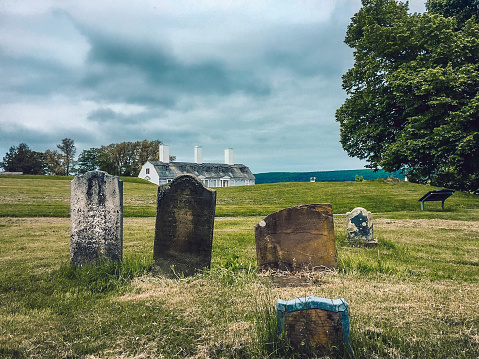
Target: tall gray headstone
360, 226
96, 218
185, 218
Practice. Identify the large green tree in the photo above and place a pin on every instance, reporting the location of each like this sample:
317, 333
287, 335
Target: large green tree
88, 160
53, 163
23, 159
122, 159
413, 99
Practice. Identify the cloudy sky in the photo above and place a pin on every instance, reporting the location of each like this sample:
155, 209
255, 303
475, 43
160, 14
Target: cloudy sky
261, 76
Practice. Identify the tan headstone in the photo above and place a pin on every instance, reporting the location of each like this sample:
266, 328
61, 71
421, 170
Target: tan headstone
297, 238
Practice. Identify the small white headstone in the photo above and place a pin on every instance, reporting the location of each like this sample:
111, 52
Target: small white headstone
360, 225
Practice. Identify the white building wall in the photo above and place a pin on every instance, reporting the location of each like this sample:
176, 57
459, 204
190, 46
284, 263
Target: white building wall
148, 172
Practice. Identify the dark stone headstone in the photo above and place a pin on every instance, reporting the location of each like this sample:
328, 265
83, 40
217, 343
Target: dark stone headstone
96, 208
184, 226
315, 324
297, 238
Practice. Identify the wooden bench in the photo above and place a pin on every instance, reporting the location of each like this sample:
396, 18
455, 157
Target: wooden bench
437, 195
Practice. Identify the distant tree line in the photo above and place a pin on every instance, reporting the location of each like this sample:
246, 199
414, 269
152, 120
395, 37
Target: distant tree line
122, 159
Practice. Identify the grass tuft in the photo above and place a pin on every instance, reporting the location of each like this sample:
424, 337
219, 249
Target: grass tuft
100, 277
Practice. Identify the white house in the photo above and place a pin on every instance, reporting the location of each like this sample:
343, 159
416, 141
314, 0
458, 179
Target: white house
225, 174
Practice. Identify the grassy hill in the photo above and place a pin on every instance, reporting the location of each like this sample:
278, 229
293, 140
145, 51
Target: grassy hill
46, 196
396, 198
414, 296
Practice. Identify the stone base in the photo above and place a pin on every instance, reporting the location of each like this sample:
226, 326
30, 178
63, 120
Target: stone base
368, 244
177, 265
373, 243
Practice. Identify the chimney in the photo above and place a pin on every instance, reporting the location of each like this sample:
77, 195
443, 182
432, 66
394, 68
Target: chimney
165, 153
198, 155
229, 160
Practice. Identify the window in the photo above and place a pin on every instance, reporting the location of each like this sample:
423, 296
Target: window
147, 171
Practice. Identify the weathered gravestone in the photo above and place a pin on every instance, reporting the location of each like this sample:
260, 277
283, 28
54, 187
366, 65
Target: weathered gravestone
96, 210
313, 323
184, 226
297, 238
360, 226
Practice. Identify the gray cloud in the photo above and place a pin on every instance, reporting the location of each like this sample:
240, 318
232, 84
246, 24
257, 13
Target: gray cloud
36, 77
112, 59
266, 83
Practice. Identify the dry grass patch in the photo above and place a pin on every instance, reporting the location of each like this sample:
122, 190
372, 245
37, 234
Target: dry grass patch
419, 311
427, 223
401, 313
415, 310
139, 200
223, 313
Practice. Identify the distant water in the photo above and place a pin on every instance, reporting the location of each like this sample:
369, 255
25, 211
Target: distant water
324, 176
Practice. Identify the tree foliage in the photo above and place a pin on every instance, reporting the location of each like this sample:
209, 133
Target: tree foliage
53, 163
88, 160
460, 10
68, 148
122, 159
413, 101
23, 159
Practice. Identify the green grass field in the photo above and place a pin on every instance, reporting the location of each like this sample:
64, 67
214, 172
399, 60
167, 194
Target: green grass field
49, 196
414, 296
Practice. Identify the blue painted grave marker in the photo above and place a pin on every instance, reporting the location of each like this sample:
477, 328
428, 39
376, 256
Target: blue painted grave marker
319, 323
